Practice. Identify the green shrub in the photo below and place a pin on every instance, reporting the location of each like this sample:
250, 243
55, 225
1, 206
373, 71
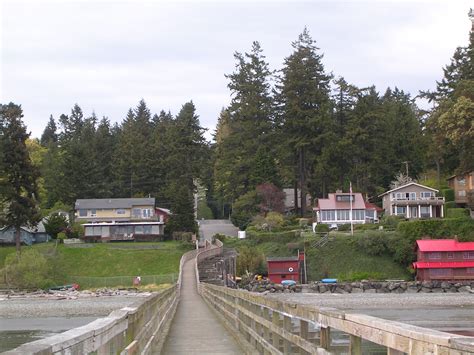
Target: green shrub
203, 210
30, 271
250, 260
374, 243
390, 222
322, 228
280, 237
344, 227
366, 227
450, 204
439, 228
244, 209
448, 194
303, 222
457, 212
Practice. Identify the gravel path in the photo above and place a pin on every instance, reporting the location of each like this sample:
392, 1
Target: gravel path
88, 306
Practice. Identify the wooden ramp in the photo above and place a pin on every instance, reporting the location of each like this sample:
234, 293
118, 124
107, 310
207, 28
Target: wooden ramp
195, 328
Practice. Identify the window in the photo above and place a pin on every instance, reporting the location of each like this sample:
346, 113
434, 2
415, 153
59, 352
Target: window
139, 229
401, 210
137, 213
328, 215
436, 255
88, 231
358, 215
461, 180
147, 213
462, 193
470, 270
440, 272
412, 196
468, 255
400, 196
343, 215
345, 198
450, 255
93, 213
120, 211
427, 194
97, 231
82, 213
146, 229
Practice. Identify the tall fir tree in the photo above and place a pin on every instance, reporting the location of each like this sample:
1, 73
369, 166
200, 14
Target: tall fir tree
19, 188
50, 132
304, 109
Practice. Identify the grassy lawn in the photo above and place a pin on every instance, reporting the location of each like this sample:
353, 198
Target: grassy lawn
110, 259
339, 258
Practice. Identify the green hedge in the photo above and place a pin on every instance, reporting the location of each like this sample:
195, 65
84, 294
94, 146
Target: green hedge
439, 228
450, 204
448, 194
281, 237
457, 213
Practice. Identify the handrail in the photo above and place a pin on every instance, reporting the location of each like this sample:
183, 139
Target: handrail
275, 327
209, 251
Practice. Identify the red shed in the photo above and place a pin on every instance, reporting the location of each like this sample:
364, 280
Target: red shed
444, 259
286, 268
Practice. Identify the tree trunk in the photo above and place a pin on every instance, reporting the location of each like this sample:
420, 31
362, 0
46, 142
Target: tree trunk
302, 183
295, 197
18, 241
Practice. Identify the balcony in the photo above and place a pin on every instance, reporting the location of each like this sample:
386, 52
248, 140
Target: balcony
433, 201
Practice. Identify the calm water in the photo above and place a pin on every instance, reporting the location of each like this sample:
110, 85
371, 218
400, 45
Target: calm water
17, 331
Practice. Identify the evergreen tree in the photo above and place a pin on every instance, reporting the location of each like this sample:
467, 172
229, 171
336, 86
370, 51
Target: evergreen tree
49, 133
249, 125
304, 107
19, 189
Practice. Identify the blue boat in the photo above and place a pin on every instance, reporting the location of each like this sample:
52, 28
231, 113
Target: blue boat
329, 281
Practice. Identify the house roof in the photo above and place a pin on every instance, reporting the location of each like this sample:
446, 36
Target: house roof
165, 210
283, 258
411, 183
373, 206
427, 245
106, 203
442, 265
330, 203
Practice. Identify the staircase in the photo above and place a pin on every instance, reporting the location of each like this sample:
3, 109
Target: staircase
213, 270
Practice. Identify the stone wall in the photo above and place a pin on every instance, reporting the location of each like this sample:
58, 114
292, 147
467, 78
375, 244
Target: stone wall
391, 287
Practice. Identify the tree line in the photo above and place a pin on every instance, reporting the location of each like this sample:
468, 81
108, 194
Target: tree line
300, 127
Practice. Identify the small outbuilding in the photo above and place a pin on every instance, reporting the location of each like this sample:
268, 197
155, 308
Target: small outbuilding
444, 259
286, 268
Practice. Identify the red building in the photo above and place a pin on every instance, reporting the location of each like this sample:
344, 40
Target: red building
444, 259
286, 268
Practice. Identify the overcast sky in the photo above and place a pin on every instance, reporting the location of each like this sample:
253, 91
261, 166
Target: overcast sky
107, 55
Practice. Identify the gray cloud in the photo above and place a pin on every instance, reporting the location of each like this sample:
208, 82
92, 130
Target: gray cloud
108, 55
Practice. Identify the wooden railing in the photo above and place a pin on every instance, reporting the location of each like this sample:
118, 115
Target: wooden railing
269, 326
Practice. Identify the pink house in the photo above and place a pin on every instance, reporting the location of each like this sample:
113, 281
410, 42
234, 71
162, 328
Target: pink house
336, 209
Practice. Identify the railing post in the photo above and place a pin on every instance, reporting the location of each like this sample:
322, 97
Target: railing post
288, 327
275, 336
325, 337
266, 331
304, 333
355, 347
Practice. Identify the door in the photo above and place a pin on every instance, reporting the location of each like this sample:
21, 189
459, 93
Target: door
414, 211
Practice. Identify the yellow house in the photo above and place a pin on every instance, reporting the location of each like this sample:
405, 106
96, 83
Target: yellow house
119, 219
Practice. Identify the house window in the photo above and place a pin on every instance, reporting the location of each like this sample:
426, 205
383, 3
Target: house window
412, 196
345, 198
328, 215
468, 255
470, 270
461, 180
88, 231
93, 213
343, 215
400, 196
401, 210
440, 272
146, 229
358, 215
120, 211
139, 229
450, 255
97, 231
137, 213
462, 193
147, 213
434, 256
426, 194
82, 213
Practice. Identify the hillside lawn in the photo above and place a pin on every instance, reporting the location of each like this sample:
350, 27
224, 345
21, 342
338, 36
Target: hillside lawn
109, 259
339, 258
